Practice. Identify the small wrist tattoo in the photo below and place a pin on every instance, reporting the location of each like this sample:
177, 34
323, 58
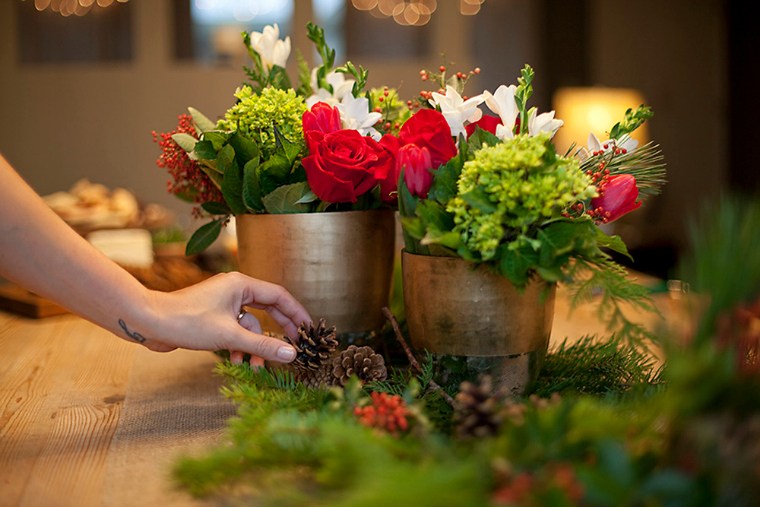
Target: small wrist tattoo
132, 334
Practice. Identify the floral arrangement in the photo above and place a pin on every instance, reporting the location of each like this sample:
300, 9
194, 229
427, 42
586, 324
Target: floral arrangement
505, 198
602, 427
282, 149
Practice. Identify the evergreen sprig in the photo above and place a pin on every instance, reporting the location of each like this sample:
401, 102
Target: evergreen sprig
646, 164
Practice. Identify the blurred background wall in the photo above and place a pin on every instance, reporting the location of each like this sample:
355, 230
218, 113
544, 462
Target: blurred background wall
82, 103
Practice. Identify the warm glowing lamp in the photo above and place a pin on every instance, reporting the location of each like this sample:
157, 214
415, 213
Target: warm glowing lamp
596, 110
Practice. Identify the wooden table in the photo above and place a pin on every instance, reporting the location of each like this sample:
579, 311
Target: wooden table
87, 419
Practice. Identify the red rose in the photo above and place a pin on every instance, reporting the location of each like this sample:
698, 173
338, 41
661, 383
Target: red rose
427, 128
418, 175
389, 185
617, 197
343, 165
322, 117
487, 123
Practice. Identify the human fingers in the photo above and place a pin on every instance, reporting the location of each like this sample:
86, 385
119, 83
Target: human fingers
251, 323
236, 356
280, 303
242, 338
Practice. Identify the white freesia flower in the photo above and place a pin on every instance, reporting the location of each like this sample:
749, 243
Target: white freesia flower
340, 85
502, 103
270, 48
355, 115
544, 122
626, 142
456, 110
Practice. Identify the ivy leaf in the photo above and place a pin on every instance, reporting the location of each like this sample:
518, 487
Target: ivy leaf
434, 216
285, 199
204, 236
517, 263
273, 172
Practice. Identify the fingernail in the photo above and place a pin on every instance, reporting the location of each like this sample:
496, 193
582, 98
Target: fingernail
286, 353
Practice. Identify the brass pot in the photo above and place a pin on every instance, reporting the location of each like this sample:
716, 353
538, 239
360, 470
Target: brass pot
338, 265
454, 308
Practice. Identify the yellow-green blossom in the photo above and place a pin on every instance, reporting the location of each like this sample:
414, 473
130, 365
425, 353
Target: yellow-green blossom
256, 115
507, 189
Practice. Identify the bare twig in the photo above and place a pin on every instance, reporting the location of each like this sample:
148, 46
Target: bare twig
413, 360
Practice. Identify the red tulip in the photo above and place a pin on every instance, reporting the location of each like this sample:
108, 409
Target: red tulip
617, 197
322, 117
417, 166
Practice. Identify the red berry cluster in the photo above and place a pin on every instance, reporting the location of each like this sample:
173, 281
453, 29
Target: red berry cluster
387, 412
439, 78
559, 476
187, 178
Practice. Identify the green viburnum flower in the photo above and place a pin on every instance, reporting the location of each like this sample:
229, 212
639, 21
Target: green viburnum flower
257, 115
509, 189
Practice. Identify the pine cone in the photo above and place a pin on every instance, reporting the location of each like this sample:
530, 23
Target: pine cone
314, 346
478, 410
363, 362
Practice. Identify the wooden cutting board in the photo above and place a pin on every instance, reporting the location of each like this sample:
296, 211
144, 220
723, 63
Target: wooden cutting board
19, 300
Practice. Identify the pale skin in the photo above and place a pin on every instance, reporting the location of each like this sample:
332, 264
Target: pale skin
43, 254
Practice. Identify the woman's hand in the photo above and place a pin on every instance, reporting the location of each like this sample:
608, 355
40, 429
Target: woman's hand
207, 316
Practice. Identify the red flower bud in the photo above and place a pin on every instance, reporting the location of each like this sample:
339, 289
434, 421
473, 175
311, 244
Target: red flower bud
417, 166
322, 117
617, 197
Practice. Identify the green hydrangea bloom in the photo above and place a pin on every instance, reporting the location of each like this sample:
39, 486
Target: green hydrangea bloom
509, 189
256, 115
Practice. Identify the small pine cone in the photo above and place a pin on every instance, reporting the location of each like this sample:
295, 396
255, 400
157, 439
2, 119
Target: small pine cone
315, 379
314, 346
478, 410
363, 362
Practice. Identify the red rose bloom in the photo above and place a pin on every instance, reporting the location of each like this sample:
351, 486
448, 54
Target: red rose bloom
618, 197
418, 174
427, 128
389, 185
343, 165
487, 123
322, 117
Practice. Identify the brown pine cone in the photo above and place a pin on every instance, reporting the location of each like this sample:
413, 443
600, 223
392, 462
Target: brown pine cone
363, 362
315, 345
478, 409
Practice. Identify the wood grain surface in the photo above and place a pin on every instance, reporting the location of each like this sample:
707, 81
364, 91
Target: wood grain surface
88, 419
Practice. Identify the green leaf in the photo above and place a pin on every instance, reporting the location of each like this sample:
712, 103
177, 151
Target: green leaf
434, 215
273, 172
481, 137
201, 122
218, 139
205, 150
290, 149
185, 141
285, 199
245, 149
407, 203
444, 185
449, 239
252, 186
308, 197
204, 236
216, 208
614, 243
516, 264
232, 185
479, 199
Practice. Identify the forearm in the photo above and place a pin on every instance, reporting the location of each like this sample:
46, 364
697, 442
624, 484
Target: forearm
43, 254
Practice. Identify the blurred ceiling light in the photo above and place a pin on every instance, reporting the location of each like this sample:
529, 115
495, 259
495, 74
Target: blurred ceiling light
593, 109
411, 12
76, 7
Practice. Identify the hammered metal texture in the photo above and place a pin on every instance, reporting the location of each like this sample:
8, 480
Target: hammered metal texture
338, 265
